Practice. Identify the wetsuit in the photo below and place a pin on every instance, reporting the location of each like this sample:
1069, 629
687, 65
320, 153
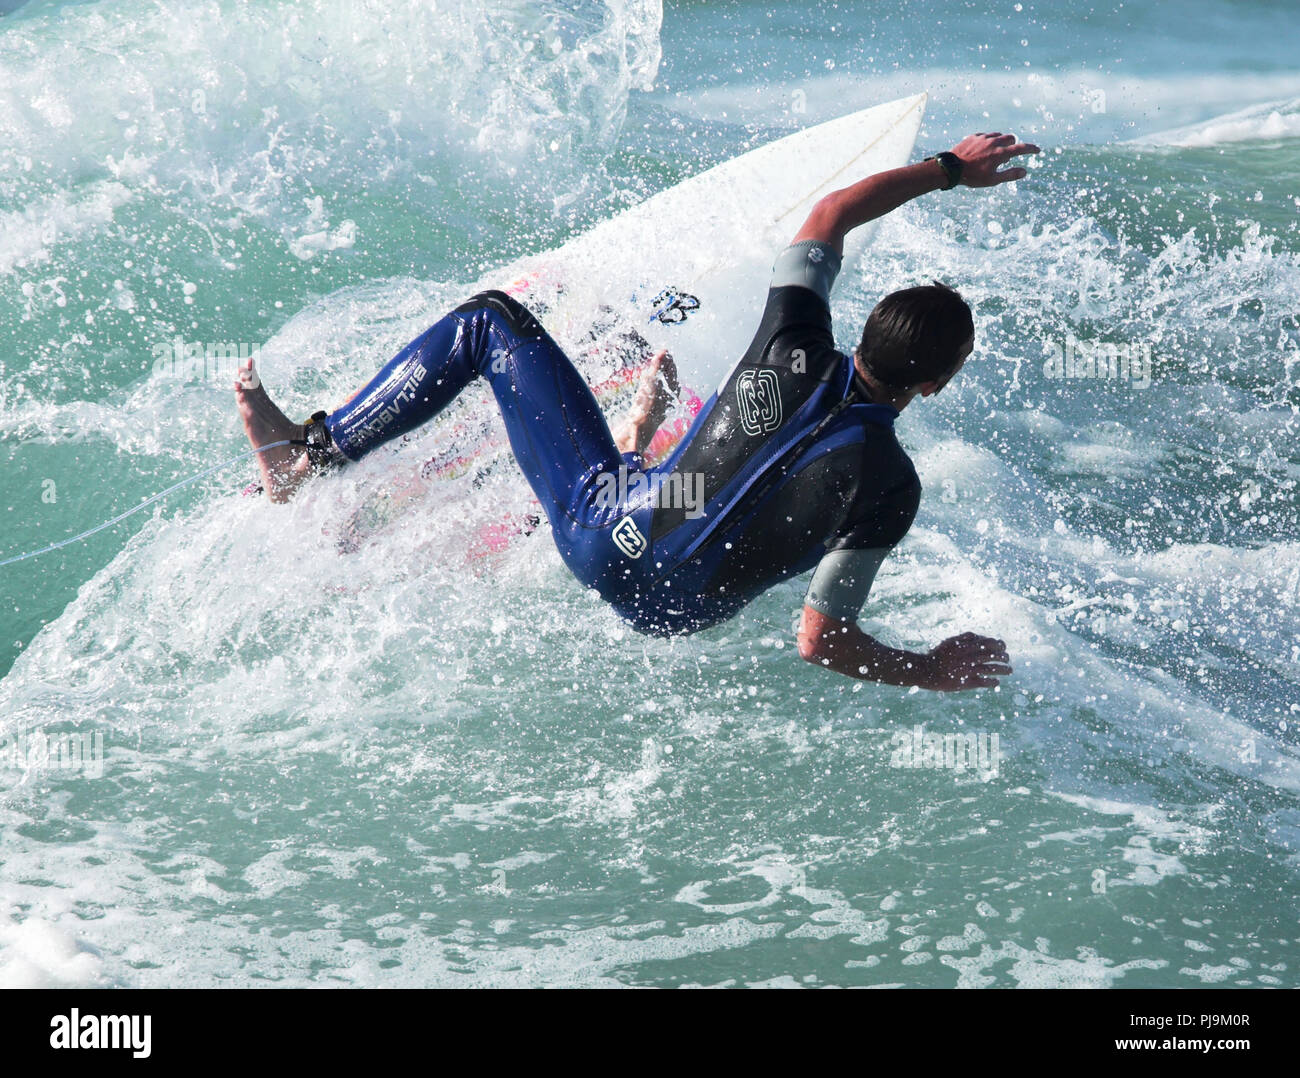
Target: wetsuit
788, 463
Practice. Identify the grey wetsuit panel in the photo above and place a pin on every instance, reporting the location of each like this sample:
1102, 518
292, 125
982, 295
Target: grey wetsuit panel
842, 582
809, 264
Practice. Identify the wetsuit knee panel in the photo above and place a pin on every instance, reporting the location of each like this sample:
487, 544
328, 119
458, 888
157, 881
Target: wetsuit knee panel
516, 317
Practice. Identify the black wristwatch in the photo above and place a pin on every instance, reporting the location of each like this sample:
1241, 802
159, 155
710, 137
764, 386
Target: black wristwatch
951, 165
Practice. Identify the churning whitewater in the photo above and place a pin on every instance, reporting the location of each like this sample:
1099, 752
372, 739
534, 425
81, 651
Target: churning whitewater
345, 741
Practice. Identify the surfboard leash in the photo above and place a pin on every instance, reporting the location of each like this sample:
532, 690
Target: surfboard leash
147, 502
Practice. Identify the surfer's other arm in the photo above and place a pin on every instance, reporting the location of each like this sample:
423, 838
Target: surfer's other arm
981, 157
968, 661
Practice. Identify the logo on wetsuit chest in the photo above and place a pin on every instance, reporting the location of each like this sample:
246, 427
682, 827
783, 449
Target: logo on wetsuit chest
759, 396
628, 538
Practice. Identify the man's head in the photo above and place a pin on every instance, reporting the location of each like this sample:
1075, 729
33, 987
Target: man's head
915, 340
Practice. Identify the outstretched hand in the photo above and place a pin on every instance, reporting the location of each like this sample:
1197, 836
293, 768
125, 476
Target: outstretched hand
968, 661
982, 155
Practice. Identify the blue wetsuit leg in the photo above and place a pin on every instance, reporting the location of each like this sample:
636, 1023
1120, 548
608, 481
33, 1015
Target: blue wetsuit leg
556, 429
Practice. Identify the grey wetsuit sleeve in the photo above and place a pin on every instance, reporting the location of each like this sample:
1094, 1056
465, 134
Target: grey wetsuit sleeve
809, 264
842, 580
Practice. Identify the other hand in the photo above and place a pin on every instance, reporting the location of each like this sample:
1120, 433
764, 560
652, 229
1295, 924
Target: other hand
968, 661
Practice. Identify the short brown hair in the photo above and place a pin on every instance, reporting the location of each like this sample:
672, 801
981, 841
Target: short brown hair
915, 335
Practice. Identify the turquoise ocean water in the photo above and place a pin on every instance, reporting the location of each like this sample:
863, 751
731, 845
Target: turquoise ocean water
386, 768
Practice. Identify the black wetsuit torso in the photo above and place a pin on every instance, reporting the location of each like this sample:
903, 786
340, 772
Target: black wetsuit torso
851, 487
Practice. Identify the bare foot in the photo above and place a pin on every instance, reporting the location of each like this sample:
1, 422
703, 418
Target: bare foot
657, 390
286, 467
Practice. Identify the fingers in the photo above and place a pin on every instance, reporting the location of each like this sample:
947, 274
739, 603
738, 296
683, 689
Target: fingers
668, 369
971, 661
985, 669
976, 662
1009, 148
1009, 144
248, 377
970, 681
665, 368
974, 644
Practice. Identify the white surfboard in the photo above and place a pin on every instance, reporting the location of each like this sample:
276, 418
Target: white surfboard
712, 239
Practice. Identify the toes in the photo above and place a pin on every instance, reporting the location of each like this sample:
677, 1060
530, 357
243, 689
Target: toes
248, 376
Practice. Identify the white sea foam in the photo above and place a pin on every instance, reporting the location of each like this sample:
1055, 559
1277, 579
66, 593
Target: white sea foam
1273, 121
168, 97
36, 953
27, 236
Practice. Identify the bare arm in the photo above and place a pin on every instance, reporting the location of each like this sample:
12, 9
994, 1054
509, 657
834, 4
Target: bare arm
844, 210
960, 662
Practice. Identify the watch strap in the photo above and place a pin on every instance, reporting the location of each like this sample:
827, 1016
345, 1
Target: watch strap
951, 165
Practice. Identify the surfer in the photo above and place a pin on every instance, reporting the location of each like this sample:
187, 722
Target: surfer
795, 454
